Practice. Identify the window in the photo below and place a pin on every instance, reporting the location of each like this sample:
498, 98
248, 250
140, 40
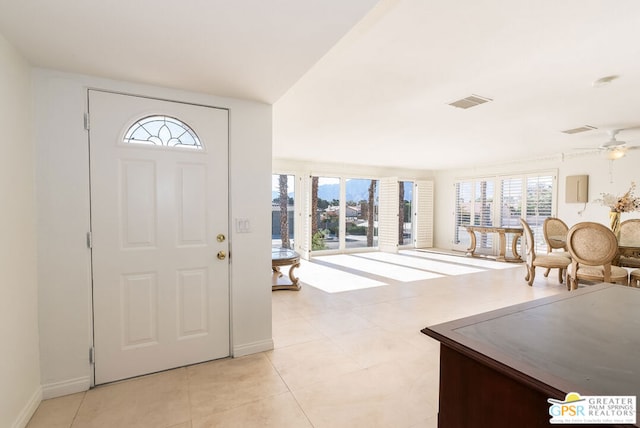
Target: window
511, 206
350, 214
540, 191
282, 210
528, 196
474, 207
325, 213
463, 213
405, 202
533, 195
361, 213
162, 131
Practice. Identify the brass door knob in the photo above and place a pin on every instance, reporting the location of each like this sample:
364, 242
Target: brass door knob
221, 255
221, 238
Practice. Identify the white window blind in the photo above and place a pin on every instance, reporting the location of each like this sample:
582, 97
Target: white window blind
423, 214
463, 214
483, 208
539, 206
388, 215
484, 203
511, 201
529, 196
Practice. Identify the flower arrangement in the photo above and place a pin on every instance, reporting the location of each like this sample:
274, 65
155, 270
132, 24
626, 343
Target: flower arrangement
628, 202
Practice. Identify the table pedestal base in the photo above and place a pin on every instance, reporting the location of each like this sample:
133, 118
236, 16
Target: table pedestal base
279, 282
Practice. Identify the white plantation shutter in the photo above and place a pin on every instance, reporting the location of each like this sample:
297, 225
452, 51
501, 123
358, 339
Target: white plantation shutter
511, 201
539, 205
303, 217
463, 214
388, 215
530, 196
483, 216
423, 197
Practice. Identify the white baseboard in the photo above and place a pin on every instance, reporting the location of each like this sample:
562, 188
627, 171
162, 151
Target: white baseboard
252, 348
29, 409
66, 387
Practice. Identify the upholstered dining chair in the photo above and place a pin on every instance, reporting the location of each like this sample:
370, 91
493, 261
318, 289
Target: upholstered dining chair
545, 261
634, 278
593, 247
630, 237
554, 232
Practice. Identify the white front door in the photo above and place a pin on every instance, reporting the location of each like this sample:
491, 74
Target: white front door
159, 221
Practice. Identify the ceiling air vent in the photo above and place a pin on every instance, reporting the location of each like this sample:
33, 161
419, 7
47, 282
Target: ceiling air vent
584, 128
470, 101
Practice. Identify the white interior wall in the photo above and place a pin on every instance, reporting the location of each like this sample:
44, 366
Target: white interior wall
604, 177
64, 275
20, 391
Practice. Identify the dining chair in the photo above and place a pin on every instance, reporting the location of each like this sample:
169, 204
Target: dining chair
629, 237
634, 278
554, 232
545, 261
593, 247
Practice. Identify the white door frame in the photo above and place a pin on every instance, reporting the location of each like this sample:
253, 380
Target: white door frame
226, 160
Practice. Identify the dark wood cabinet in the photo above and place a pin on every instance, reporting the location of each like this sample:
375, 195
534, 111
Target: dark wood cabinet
498, 369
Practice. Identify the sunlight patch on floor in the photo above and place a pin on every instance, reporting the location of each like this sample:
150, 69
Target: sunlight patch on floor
373, 267
347, 272
422, 263
484, 263
332, 280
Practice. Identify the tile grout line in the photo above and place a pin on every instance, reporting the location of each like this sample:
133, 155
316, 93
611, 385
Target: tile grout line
75, 415
290, 391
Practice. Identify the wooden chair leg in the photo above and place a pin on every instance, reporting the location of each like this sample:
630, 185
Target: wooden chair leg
546, 273
531, 275
574, 284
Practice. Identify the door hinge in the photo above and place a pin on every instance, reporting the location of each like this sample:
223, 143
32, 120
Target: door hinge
89, 240
92, 351
86, 121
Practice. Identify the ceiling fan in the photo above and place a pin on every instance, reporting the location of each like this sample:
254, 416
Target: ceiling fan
614, 148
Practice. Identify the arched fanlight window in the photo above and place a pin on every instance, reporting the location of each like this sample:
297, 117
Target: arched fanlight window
163, 131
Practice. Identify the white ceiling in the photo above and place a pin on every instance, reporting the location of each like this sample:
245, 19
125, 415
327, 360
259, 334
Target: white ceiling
252, 49
381, 95
370, 90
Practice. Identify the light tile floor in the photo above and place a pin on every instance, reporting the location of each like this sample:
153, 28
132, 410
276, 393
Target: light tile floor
341, 359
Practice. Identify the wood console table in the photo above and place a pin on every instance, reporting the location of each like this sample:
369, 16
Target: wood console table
498, 369
501, 231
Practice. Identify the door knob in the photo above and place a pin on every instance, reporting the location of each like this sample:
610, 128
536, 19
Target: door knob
221, 238
221, 255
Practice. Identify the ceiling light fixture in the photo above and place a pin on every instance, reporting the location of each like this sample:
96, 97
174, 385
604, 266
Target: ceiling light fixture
614, 154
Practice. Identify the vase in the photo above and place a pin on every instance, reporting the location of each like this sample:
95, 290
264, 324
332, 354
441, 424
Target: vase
614, 223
